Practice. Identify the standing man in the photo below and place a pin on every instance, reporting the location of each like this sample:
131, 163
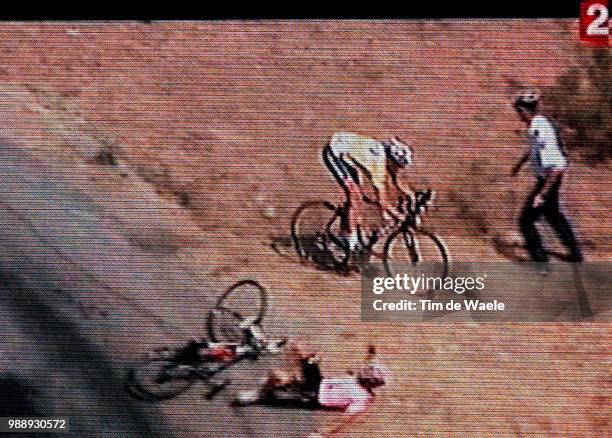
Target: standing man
549, 163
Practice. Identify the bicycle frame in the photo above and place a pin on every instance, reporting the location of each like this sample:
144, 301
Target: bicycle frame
325, 246
167, 373
196, 370
216, 367
407, 224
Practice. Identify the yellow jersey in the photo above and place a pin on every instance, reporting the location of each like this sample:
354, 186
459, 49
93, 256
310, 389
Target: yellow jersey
366, 152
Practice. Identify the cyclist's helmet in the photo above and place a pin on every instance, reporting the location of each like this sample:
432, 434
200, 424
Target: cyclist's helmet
398, 151
528, 101
373, 375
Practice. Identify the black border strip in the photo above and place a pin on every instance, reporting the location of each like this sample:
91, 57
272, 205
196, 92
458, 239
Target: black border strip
423, 9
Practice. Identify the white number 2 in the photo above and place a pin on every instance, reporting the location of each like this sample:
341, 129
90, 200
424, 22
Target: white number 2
599, 26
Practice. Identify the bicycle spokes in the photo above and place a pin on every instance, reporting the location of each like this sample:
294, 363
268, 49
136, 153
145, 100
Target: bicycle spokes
407, 250
158, 380
318, 230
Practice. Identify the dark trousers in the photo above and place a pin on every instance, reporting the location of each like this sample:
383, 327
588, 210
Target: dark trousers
551, 211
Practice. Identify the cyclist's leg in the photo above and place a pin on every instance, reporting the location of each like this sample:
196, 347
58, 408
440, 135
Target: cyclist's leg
311, 378
355, 211
348, 178
301, 389
276, 381
337, 169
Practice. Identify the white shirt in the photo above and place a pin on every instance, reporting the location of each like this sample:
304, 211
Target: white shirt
546, 153
344, 393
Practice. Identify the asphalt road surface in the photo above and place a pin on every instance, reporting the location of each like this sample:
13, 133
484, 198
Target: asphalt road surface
76, 311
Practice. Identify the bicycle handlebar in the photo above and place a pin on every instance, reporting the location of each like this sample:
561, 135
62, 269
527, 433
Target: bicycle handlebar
422, 198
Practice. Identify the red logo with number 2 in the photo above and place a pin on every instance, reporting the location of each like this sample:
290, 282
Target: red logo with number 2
595, 23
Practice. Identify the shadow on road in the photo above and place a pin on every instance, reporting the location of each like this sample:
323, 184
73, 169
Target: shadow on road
62, 372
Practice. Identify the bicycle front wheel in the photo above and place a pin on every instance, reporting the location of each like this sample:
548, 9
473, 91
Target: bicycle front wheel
245, 299
411, 251
159, 380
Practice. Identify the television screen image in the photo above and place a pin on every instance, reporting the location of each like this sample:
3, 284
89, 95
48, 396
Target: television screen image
306, 228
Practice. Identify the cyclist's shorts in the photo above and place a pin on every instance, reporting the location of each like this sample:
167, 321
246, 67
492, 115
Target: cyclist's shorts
339, 167
311, 374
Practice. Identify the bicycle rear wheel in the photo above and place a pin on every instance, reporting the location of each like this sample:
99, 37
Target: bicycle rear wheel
158, 379
315, 227
245, 299
415, 251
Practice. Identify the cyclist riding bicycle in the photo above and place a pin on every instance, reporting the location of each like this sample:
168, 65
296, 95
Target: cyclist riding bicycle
347, 154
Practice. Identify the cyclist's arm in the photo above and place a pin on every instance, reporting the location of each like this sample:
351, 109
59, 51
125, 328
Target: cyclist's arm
382, 194
409, 190
397, 194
